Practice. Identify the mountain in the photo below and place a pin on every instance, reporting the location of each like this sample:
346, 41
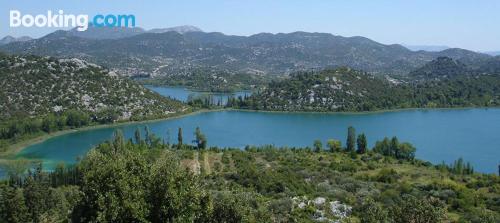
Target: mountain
36, 86
429, 48
160, 54
179, 29
11, 39
441, 67
444, 67
491, 66
345, 89
493, 53
100, 33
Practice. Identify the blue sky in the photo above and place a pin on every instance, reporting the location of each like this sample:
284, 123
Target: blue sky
470, 24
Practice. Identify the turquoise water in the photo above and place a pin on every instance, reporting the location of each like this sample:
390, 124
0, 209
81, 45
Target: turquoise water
439, 135
183, 94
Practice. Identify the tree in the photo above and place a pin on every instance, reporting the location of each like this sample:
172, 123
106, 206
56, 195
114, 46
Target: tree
361, 143
36, 191
114, 186
334, 145
77, 118
147, 135
200, 139
12, 205
318, 146
137, 136
410, 209
226, 208
173, 192
179, 139
405, 151
372, 212
394, 147
49, 123
106, 115
168, 138
351, 138
382, 147
118, 141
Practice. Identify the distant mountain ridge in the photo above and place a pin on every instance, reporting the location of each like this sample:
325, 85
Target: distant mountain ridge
493, 53
11, 39
124, 32
441, 67
445, 67
179, 29
429, 48
142, 53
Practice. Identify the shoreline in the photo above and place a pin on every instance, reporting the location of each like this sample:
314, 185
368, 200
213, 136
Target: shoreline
361, 112
198, 90
14, 149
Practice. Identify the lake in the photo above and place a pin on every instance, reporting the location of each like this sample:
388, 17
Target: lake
184, 94
438, 135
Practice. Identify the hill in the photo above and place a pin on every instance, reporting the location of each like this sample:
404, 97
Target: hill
211, 80
99, 33
430, 48
341, 89
33, 86
140, 54
442, 67
11, 39
345, 89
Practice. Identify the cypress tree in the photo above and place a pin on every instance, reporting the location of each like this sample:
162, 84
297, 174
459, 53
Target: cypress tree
362, 143
179, 138
351, 138
137, 136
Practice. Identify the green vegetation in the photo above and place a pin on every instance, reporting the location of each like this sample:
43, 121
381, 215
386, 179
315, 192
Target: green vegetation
441, 67
344, 89
210, 80
40, 95
395, 149
163, 54
148, 181
35, 86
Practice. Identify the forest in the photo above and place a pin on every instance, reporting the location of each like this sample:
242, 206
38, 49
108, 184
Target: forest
347, 90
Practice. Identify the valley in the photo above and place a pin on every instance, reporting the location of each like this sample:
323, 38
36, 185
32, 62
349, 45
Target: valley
178, 124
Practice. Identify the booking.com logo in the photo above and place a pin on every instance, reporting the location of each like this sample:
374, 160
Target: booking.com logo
81, 22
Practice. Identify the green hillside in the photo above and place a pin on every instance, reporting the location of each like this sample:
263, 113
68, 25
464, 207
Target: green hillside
35, 86
40, 95
344, 89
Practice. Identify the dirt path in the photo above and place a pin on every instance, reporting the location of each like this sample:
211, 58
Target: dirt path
206, 164
196, 167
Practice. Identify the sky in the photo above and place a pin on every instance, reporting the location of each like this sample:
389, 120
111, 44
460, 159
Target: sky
468, 24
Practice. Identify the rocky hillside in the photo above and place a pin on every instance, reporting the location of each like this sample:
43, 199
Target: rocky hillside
442, 67
138, 52
345, 89
33, 86
212, 80
446, 67
341, 89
